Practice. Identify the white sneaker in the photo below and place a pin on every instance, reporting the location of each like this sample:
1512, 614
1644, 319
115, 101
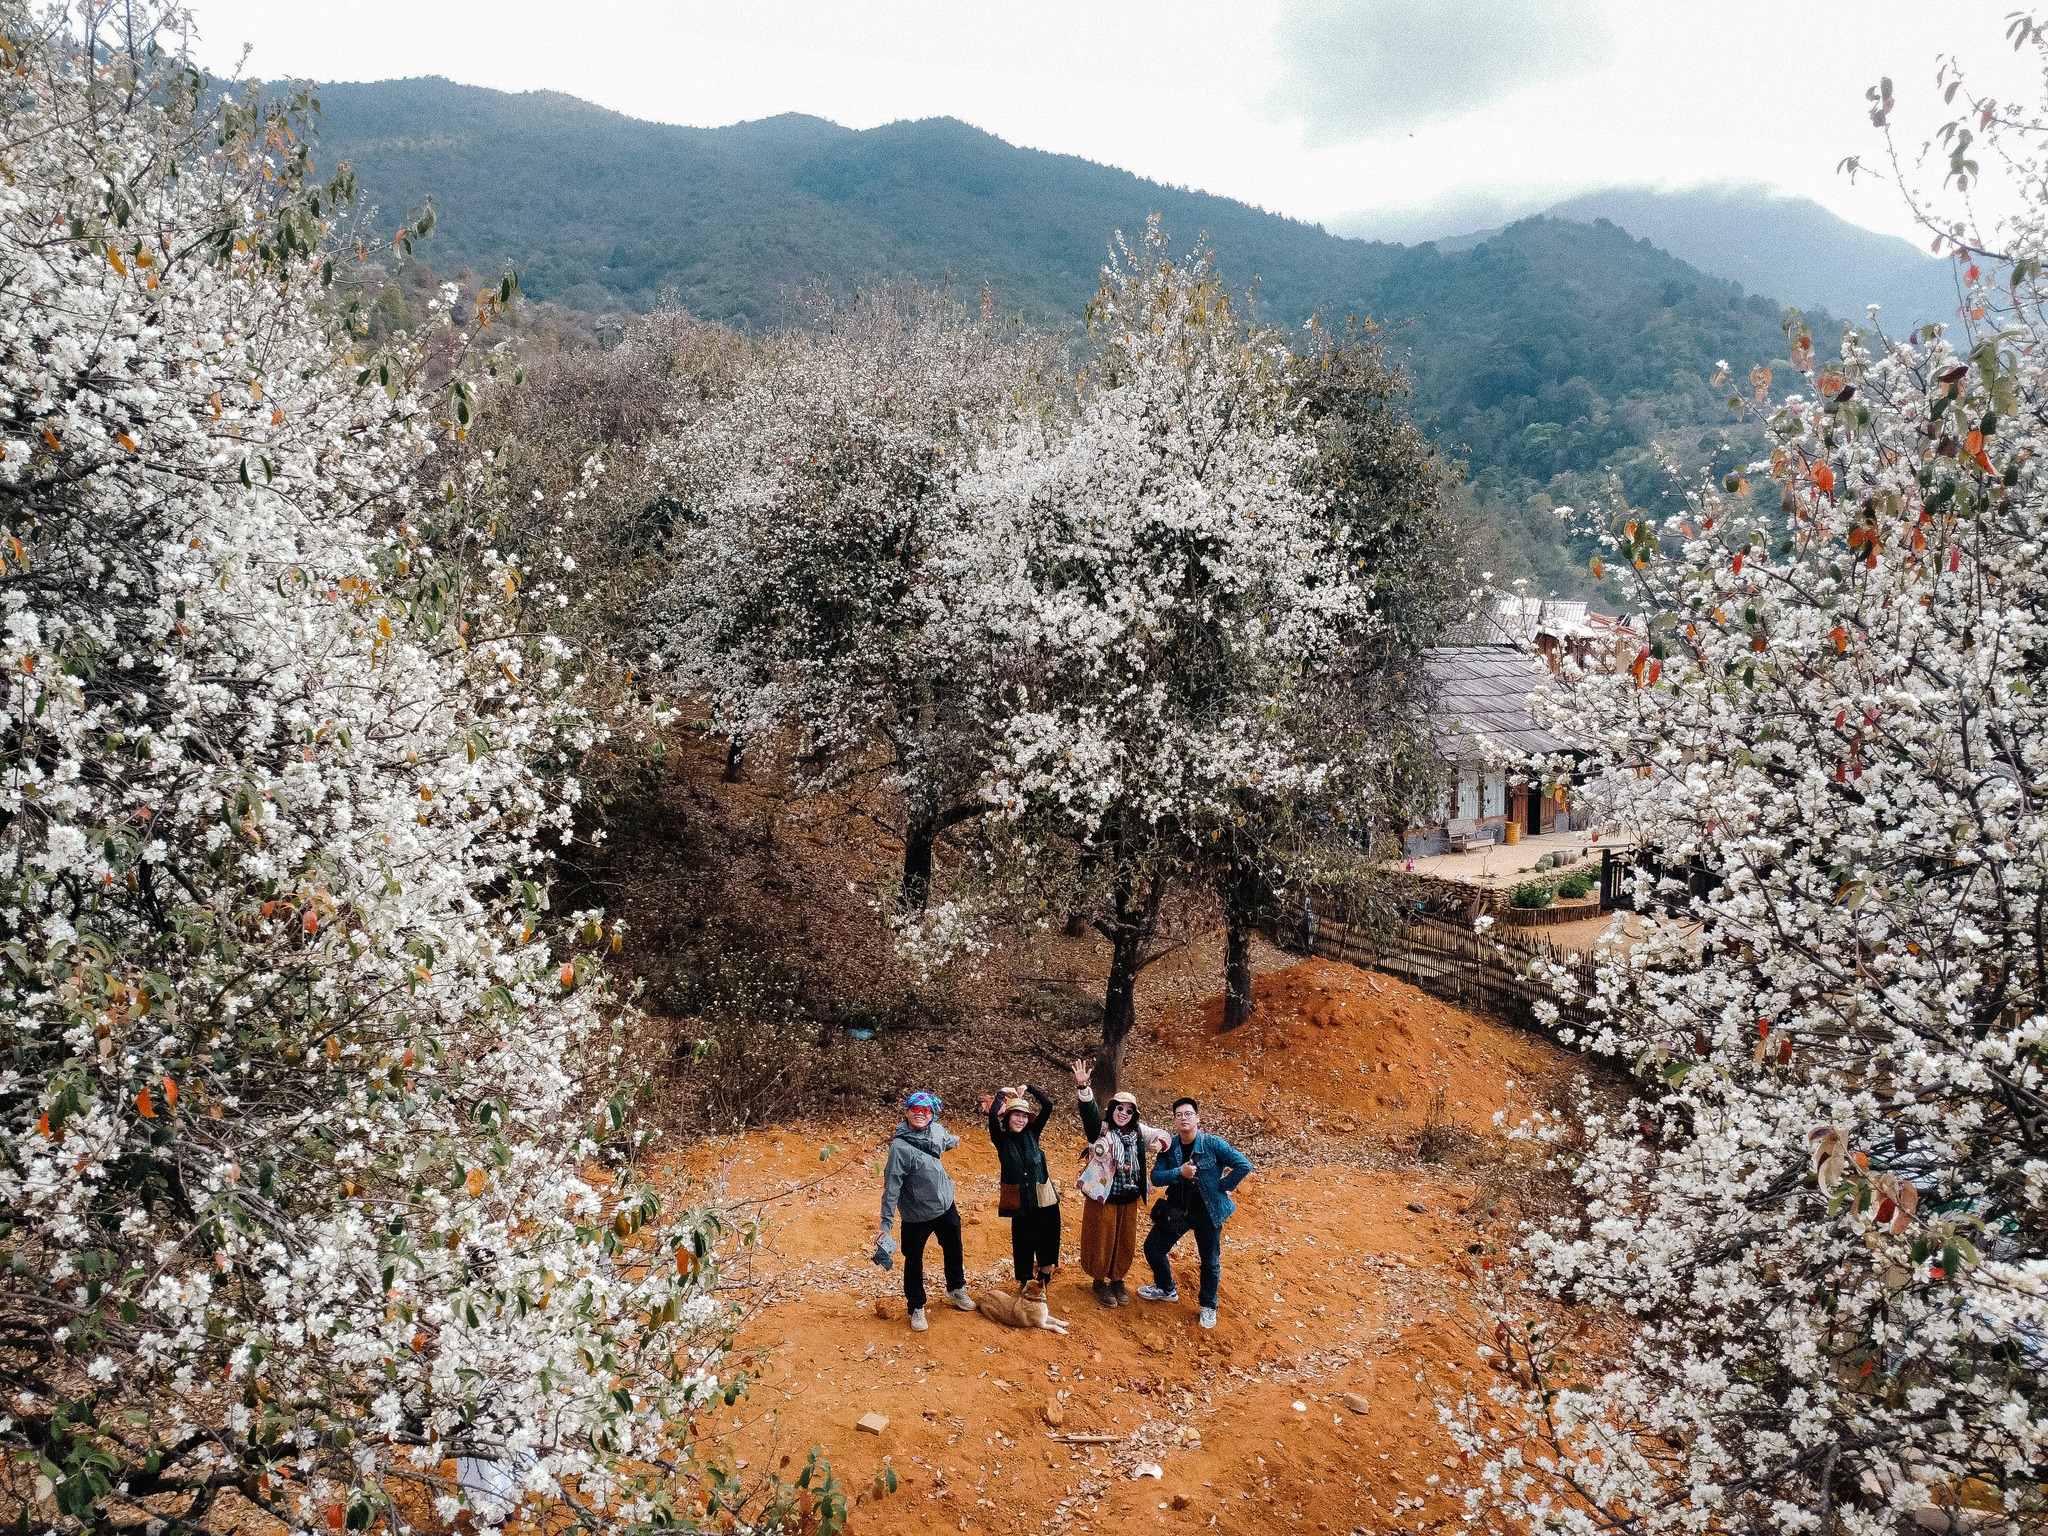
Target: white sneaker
917, 1322
1153, 1293
961, 1299
1208, 1317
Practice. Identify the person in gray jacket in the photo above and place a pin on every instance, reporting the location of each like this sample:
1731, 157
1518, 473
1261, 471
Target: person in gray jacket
916, 1184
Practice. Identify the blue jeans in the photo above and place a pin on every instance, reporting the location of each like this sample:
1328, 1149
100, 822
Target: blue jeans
1208, 1244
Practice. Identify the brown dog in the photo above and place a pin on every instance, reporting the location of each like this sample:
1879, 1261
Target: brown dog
1014, 1311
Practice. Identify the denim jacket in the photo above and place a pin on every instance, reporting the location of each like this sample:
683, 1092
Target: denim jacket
1219, 1168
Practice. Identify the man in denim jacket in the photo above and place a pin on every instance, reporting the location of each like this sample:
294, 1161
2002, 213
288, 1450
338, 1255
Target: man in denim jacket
1198, 1171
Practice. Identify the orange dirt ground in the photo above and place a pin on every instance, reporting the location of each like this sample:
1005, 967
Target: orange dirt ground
1348, 1306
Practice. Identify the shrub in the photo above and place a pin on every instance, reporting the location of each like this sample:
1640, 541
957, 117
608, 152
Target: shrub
1577, 884
1531, 895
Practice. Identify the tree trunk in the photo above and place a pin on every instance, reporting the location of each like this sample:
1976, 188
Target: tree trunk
920, 846
1119, 1002
1241, 890
1136, 917
735, 759
918, 843
1237, 974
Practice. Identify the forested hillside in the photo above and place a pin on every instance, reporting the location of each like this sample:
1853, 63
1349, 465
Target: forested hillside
1787, 247
1550, 357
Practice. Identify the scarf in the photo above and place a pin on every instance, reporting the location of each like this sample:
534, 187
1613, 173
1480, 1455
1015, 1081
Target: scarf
1124, 1148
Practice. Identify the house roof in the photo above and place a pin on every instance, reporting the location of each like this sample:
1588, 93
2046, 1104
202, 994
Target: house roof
1482, 700
1507, 618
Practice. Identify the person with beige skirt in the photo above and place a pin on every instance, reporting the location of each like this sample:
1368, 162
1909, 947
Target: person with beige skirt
1113, 1183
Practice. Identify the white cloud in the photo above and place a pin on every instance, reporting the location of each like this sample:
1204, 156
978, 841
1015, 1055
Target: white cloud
1360, 69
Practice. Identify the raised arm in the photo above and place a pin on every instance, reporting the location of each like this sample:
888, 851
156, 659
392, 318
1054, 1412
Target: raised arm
1091, 1112
1044, 1109
1091, 1115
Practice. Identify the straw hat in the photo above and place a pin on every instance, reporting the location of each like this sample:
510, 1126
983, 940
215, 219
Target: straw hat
1014, 1103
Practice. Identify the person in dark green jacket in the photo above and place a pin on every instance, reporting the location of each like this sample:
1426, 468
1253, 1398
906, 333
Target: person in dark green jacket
1030, 1201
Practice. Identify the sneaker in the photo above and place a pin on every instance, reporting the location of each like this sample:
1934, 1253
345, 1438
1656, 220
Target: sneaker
1208, 1317
1153, 1293
961, 1299
1118, 1296
917, 1322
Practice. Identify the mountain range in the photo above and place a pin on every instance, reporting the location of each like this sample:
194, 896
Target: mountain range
1558, 358
1790, 248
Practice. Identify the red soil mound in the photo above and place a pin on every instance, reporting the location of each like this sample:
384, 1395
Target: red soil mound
1347, 1303
1331, 1048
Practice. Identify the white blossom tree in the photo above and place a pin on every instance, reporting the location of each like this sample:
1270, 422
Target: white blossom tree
809, 602
1168, 582
1823, 1219
299, 1132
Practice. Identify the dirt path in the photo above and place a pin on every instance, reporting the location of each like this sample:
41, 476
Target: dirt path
1347, 1301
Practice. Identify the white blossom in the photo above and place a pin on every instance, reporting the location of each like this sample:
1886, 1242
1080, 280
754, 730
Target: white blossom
294, 1123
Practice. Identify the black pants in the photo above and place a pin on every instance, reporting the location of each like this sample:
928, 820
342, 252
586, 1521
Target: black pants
1035, 1240
1208, 1244
947, 1229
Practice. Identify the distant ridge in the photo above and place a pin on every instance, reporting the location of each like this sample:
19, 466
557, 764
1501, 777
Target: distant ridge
1557, 359
1788, 248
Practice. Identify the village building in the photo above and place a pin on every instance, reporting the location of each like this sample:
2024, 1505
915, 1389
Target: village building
1481, 680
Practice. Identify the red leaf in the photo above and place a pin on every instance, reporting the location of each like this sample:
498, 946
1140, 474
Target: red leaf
143, 1107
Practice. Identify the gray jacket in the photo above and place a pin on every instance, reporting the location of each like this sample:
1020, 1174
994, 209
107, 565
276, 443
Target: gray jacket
914, 1181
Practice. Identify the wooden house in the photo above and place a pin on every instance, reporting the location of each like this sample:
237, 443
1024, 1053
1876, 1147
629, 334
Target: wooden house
1481, 681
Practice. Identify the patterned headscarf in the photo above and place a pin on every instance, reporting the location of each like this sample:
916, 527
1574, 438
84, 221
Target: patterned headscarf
923, 1100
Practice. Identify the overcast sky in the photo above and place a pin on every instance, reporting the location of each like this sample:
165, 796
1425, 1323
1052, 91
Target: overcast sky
1405, 118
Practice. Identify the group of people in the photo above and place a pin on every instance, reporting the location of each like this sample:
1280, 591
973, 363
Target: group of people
1191, 1171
